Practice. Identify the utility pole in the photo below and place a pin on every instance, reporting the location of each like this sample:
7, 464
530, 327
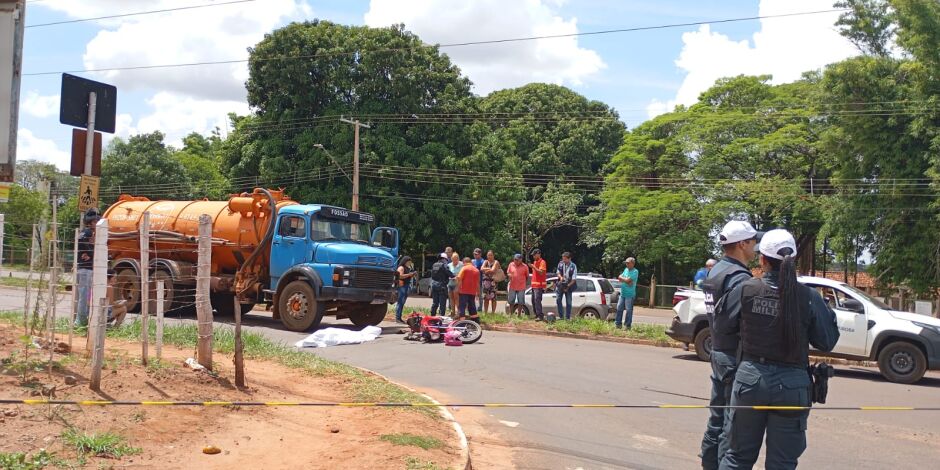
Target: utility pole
355, 192
12, 27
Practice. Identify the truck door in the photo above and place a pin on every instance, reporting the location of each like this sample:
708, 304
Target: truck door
289, 246
852, 323
386, 238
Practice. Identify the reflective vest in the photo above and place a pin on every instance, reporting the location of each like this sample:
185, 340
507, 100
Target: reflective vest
715, 287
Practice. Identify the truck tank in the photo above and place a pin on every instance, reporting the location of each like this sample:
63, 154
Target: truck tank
239, 226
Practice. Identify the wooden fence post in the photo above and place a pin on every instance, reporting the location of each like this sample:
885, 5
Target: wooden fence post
99, 279
159, 338
144, 230
203, 307
239, 348
96, 330
653, 291
78, 233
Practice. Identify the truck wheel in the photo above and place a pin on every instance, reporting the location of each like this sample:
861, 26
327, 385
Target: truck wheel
299, 308
127, 287
703, 344
902, 362
368, 315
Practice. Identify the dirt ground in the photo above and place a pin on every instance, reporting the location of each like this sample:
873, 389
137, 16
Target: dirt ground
174, 437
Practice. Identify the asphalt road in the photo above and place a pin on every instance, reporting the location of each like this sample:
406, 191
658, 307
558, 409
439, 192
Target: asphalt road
505, 367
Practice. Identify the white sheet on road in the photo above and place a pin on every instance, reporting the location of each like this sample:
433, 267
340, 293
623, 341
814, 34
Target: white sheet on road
338, 336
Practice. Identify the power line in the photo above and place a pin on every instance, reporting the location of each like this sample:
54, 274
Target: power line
458, 44
124, 15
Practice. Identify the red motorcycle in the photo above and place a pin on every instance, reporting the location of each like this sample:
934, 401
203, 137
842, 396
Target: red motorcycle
431, 329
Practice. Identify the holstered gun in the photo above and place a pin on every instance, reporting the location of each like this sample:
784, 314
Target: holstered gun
819, 375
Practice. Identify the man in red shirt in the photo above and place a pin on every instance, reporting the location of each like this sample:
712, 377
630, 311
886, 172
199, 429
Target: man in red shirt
468, 287
518, 274
539, 271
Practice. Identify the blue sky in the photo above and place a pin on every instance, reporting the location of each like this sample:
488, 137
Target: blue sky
638, 73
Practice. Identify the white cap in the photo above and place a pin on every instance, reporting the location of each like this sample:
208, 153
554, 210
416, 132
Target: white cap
775, 244
737, 231
710, 262
444, 255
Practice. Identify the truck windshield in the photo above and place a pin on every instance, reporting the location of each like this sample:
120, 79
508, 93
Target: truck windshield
334, 229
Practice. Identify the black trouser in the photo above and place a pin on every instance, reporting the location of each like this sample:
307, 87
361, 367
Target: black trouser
438, 298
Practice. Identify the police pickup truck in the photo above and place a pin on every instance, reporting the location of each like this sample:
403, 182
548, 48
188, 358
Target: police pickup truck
905, 345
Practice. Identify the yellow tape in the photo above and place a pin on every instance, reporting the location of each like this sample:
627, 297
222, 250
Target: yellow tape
691, 407
886, 408
216, 403
592, 406
356, 404
94, 402
149, 403
281, 403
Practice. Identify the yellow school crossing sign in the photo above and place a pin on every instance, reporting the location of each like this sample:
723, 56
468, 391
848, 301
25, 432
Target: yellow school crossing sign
88, 193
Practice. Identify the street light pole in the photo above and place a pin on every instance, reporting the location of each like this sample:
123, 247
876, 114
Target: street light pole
355, 193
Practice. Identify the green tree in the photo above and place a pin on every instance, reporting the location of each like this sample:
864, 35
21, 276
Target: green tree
201, 160
869, 24
140, 166
25, 208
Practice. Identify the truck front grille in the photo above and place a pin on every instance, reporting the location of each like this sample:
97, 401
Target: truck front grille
371, 279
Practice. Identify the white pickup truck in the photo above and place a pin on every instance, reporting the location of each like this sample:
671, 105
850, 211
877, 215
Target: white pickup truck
905, 344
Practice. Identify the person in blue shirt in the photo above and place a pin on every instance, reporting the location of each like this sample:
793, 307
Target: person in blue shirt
628, 279
702, 273
567, 273
478, 263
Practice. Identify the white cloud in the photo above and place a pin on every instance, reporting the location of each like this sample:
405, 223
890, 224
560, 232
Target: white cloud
223, 32
40, 106
30, 147
177, 115
496, 66
783, 47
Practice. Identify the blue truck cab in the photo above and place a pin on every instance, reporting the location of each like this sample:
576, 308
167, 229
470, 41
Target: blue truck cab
329, 260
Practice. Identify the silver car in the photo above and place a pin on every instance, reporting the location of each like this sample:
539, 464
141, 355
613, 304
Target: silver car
591, 298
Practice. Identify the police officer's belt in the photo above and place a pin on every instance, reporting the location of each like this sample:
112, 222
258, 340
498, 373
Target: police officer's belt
763, 360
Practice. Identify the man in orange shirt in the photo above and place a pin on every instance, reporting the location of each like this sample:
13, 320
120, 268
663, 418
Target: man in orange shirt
468, 287
539, 272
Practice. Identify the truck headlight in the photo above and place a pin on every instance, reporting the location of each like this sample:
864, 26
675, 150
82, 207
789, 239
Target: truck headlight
346, 273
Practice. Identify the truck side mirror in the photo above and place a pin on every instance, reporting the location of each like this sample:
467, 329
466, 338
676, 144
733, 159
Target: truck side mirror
386, 237
853, 305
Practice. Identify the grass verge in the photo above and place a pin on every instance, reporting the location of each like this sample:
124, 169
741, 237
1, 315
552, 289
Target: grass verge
365, 387
107, 445
24, 461
415, 463
20, 283
406, 439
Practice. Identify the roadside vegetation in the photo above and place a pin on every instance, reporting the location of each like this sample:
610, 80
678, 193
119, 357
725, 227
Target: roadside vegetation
406, 439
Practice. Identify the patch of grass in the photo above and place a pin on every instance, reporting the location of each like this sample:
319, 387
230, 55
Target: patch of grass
415, 463
406, 439
588, 326
106, 444
20, 283
24, 461
366, 387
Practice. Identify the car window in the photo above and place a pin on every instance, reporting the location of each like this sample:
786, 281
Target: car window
293, 226
585, 285
606, 286
835, 298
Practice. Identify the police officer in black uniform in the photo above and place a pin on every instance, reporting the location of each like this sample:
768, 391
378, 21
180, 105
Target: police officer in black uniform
777, 319
440, 275
738, 240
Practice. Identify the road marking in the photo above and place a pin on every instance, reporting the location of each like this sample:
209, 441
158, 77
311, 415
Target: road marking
510, 424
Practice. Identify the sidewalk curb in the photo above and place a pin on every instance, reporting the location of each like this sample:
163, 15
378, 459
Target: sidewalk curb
464, 461
646, 342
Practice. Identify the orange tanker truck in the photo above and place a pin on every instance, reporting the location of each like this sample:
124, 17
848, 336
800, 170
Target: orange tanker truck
302, 260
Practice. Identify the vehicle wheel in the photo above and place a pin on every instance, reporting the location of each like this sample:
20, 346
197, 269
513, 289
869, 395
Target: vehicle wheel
703, 344
224, 305
127, 287
299, 308
470, 331
169, 291
589, 312
902, 362
369, 315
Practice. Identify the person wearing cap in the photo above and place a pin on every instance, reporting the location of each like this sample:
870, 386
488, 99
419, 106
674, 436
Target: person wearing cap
778, 319
628, 279
738, 240
518, 274
86, 260
702, 273
440, 277
539, 273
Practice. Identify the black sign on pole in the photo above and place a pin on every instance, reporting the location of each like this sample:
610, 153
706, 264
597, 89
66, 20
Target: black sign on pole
73, 107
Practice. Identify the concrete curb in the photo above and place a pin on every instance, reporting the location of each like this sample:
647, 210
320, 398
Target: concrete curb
647, 342
464, 460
